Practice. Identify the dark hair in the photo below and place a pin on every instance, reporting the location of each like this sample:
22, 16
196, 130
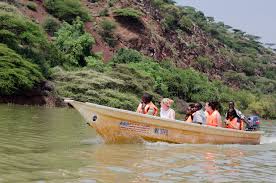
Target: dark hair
212, 105
191, 105
146, 98
189, 111
215, 105
231, 103
190, 108
198, 106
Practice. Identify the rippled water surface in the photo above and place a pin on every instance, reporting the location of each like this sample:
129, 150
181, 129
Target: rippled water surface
43, 145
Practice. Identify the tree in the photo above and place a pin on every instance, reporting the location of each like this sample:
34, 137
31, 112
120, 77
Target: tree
74, 42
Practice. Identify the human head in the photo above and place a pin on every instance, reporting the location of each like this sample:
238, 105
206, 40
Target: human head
211, 106
198, 106
231, 105
231, 113
166, 103
190, 109
146, 98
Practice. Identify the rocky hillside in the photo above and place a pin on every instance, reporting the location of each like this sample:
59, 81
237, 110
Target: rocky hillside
162, 31
111, 31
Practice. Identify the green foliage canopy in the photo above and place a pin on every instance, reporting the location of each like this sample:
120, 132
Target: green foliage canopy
128, 12
74, 42
67, 10
16, 73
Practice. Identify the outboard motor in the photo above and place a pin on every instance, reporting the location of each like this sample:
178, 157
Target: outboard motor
253, 123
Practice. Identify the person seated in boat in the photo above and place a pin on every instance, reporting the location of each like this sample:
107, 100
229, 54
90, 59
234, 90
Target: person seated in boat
233, 121
166, 111
189, 113
199, 115
146, 106
213, 117
231, 105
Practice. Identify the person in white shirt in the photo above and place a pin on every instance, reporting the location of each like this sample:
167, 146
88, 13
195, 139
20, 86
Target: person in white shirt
166, 111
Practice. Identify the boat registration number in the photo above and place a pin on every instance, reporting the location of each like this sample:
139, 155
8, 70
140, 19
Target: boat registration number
161, 131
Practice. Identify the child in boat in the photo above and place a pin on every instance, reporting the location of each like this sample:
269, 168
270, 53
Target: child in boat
166, 111
146, 106
189, 113
233, 121
213, 117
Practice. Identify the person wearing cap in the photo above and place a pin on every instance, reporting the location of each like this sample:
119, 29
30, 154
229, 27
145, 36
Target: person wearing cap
166, 111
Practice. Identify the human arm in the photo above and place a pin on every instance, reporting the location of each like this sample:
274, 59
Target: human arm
139, 108
172, 114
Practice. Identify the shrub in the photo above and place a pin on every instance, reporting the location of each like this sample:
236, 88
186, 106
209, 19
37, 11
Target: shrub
32, 6
109, 89
25, 37
8, 8
104, 13
264, 107
51, 25
128, 12
107, 32
265, 85
203, 64
247, 65
270, 72
16, 73
67, 10
239, 80
94, 63
124, 55
74, 42
111, 3
185, 24
169, 22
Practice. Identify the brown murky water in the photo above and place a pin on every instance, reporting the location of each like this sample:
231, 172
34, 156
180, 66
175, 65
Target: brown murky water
42, 145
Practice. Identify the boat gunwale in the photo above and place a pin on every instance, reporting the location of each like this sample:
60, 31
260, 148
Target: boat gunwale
198, 126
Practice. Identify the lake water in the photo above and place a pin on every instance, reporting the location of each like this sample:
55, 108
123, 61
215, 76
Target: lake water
42, 145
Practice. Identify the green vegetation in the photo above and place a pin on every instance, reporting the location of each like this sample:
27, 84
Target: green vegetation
203, 64
32, 6
74, 43
27, 57
104, 13
116, 87
67, 10
16, 73
8, 8
125, 56
122, 82
107, 32
25, 38
186, 24
128, 12
111, 3
51, 25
